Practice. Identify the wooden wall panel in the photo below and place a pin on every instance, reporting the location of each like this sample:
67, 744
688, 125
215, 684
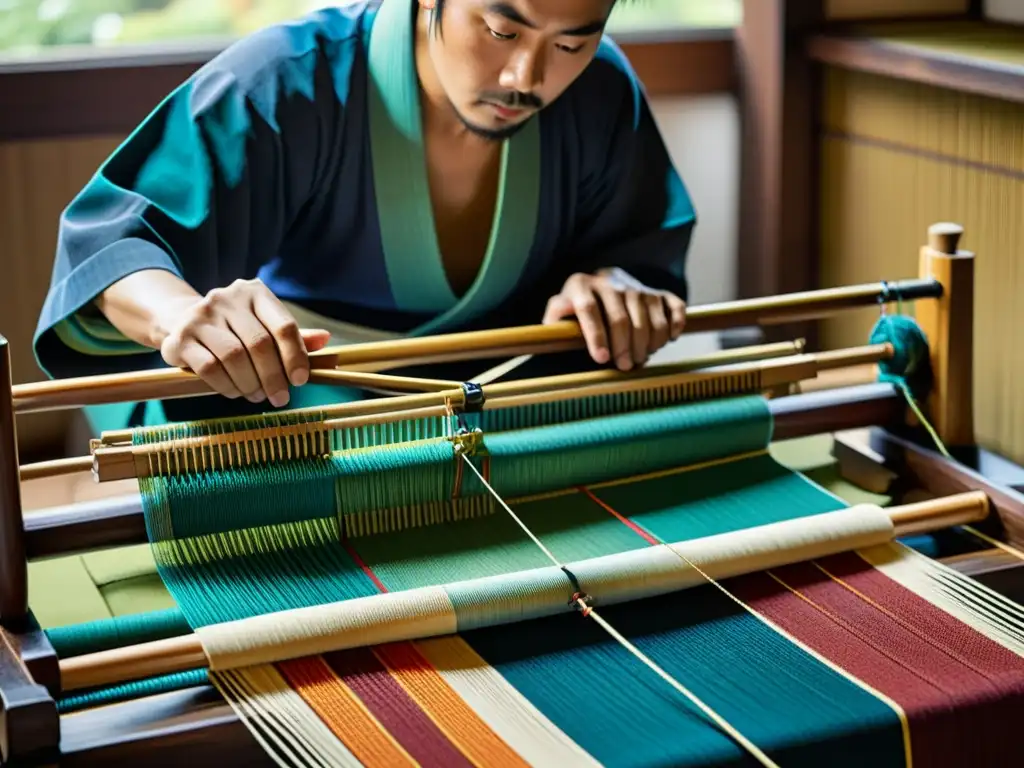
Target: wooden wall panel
37, 180
865, 9
897, 157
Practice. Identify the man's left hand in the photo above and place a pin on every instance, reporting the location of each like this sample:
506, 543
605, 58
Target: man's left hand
621, 319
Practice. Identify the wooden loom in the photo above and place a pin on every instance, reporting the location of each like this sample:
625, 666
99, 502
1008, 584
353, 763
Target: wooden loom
197, 721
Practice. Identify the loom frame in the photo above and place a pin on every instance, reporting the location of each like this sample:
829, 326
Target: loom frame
197, 725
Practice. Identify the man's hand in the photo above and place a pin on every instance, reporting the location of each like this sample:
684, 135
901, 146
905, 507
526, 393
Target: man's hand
621, 319
241, 340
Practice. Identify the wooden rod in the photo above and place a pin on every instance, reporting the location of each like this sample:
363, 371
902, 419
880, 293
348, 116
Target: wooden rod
948, 322
379, 381
470, 345
55, 468
13, 561
116, 522
186, 652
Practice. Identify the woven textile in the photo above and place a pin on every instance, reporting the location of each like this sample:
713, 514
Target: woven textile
879, 655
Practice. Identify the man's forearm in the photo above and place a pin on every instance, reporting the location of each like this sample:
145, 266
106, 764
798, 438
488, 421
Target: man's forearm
143, 304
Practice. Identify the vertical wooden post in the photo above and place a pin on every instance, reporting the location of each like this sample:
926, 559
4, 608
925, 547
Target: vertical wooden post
949, 324
778, 92
13, 564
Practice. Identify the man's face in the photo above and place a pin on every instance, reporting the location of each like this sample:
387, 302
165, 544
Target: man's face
499, 63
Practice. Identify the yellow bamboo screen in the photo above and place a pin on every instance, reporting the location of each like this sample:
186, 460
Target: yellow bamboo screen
897, 157
37, 180
864, 9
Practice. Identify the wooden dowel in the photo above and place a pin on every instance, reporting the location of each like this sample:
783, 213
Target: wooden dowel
186, 652
13, 561
379, 381
470, 345
55, 468
921, 517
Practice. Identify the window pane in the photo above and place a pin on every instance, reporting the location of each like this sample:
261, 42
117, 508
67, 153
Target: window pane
32, 26
641, 15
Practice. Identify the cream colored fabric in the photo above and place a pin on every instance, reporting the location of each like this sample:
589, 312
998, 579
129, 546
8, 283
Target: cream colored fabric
634, 575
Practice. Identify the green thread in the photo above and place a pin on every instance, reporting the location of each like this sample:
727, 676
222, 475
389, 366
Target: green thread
137, 689
117, 632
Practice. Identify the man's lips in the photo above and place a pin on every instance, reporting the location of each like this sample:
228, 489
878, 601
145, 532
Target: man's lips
505, 113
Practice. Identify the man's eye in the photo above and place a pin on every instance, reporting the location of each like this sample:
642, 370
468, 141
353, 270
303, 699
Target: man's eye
500, 36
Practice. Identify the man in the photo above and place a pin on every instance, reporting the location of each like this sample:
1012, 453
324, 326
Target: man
371, 171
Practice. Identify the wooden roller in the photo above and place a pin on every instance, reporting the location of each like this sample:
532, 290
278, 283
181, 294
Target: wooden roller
186, 652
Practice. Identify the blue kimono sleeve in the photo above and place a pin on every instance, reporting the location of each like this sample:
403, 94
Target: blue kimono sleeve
634, 211
204, 188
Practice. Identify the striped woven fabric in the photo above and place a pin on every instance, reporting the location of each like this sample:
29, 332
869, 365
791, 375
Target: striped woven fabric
878, 656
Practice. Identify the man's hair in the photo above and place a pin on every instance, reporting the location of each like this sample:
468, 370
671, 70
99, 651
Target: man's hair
438, 12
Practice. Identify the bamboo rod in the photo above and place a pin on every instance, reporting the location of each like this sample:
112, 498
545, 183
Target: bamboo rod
470, 345
379, 381
186, 652
56, 468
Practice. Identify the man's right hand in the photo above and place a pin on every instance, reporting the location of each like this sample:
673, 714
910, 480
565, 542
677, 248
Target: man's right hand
241, 340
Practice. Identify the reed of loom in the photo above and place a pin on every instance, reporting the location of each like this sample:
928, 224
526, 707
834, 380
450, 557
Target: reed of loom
30, 672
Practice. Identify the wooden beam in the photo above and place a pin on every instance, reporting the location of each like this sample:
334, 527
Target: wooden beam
779, 90
868, 48
29, 725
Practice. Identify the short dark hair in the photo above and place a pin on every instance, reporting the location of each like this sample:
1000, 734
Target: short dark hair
435, 17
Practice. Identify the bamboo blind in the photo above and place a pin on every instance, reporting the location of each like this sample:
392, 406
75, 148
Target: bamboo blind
897, 157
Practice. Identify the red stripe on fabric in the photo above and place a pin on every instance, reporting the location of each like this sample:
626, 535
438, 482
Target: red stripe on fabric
955, 715
363, 673
970, 647
362, 564
622, 519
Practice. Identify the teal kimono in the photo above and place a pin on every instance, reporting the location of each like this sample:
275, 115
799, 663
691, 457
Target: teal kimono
296, 156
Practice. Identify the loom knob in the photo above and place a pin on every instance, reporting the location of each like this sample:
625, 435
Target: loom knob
944, 237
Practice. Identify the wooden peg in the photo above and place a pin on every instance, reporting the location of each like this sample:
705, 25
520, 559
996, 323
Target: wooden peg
948, 322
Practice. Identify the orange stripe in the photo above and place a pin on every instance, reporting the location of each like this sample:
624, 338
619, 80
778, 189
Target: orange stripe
456, 719
343, 713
